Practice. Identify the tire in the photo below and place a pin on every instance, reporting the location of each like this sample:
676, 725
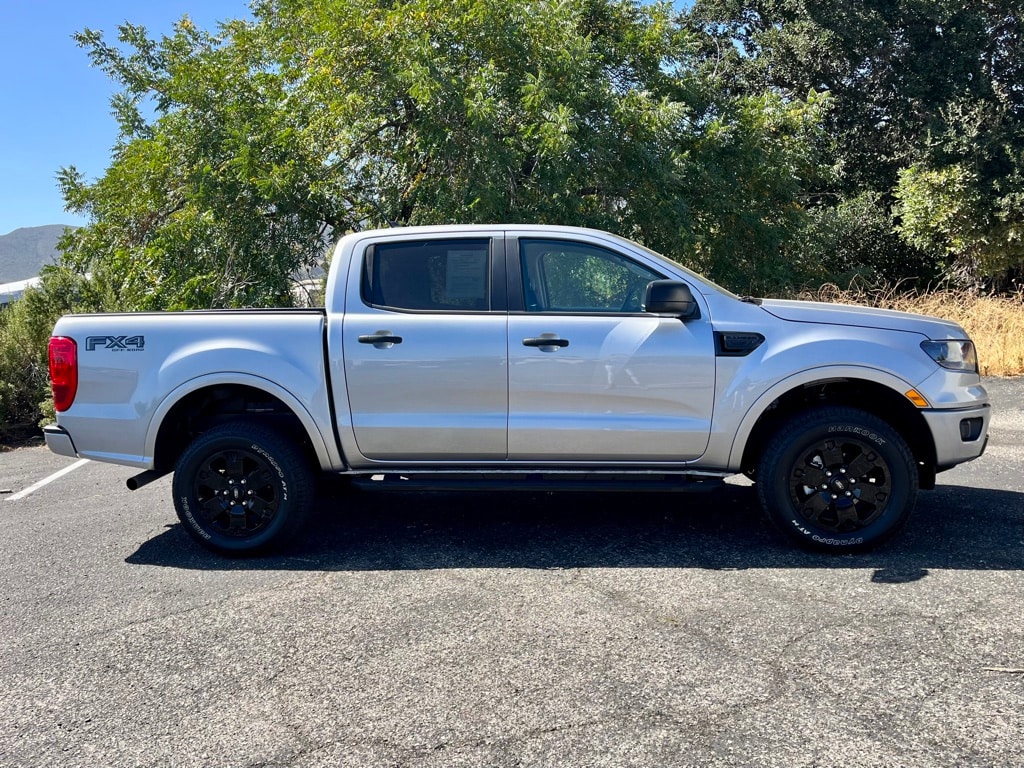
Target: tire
837, 479
243, 488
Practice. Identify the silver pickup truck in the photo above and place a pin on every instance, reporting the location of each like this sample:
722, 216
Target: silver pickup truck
519, 355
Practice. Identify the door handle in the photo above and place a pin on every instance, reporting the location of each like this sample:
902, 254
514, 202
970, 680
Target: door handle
380, 339
546, 340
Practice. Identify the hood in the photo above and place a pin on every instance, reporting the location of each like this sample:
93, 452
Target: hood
863, 317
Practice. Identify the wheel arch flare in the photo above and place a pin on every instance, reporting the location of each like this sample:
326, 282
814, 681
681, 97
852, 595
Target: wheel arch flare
892, 401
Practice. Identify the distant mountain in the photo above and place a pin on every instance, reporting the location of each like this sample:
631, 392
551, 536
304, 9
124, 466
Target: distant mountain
24, 251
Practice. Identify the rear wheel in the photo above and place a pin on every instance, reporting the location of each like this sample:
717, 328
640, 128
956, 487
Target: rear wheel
838, 479
242, 488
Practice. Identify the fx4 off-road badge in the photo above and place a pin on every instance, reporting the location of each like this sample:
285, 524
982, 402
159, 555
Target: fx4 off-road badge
116, 343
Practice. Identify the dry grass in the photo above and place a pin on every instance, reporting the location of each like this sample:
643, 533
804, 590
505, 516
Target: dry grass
995, 323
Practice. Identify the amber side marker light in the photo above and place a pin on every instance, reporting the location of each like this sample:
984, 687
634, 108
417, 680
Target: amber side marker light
916, 398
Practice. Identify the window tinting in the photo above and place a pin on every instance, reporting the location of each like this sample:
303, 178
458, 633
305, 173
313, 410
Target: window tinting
563, 276
439, 275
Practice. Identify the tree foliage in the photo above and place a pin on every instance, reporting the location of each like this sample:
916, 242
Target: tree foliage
23, 369
25, 327
922, 92
193, 210
242, 152
768, 142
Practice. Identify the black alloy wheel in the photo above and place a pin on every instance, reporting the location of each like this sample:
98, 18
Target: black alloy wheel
242, 488
838, 479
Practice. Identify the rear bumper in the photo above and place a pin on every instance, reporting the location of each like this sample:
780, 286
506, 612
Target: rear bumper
59, 441
959, 434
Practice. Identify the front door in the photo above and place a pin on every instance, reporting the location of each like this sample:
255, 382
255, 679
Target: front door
591, 376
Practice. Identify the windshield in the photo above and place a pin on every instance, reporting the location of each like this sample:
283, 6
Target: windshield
697, 277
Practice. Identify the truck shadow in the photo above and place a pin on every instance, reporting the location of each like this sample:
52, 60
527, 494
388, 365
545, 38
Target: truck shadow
953, 528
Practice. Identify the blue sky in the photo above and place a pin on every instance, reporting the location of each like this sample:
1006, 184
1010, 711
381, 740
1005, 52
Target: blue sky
60, 103
56, 109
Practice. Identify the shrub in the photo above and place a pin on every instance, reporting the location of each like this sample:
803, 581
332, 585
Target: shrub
25, 328
23, 371
855, 242
994, 322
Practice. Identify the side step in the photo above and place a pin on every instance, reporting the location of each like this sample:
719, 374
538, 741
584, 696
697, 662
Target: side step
540, 482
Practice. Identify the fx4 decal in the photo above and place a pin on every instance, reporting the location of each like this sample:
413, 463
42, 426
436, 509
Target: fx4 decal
116, 343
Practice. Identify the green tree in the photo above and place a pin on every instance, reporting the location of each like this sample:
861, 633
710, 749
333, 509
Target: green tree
242, 152
23, 370
747, 171
964, 199
921, 90
25, 327
202, 205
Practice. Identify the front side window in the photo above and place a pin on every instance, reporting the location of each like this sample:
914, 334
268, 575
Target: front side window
564, 276
430, 275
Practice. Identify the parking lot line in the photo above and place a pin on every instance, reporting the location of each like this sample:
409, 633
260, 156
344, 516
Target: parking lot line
47, 480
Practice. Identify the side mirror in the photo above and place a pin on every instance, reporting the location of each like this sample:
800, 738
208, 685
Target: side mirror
670, 297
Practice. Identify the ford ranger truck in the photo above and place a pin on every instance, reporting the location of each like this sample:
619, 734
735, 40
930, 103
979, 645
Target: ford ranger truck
518, 355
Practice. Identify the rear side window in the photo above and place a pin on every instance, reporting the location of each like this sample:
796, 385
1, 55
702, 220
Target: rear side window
429, 275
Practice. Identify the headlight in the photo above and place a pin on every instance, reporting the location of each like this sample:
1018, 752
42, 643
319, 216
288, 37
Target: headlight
954, 354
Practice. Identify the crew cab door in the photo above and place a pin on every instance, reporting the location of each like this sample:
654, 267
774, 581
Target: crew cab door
591, 376
424, 344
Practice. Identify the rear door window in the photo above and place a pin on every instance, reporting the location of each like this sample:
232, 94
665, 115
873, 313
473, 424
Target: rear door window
429, 275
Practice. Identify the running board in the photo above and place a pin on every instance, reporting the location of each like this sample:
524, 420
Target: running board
664, 483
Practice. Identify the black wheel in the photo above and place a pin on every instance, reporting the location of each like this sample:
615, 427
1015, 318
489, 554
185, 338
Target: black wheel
242, 488
838, 479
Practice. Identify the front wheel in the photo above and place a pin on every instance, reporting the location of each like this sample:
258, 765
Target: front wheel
242, 488
838, 479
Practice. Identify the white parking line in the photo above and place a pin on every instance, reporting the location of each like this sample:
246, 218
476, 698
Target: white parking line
47, 480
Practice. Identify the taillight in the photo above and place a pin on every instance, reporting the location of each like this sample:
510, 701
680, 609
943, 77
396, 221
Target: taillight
63, 371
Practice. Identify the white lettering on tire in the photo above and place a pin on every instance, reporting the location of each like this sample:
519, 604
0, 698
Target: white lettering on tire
858, 431
829, 541
280, 473
188, 513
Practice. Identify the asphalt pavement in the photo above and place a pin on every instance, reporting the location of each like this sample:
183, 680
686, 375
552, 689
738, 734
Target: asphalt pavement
512, 629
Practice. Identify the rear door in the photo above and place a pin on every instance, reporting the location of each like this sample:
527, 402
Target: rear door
425, 348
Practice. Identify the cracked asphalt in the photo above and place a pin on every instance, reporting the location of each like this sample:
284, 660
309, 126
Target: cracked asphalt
512, 629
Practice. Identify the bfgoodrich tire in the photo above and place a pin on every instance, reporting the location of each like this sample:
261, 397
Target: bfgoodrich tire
242, 488
838, 479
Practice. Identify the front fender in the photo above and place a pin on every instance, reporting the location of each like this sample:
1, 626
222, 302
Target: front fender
797, 381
